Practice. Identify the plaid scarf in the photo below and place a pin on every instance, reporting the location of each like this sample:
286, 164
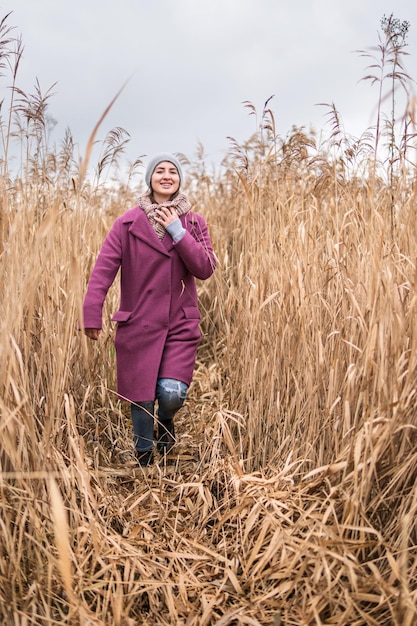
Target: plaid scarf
180, 204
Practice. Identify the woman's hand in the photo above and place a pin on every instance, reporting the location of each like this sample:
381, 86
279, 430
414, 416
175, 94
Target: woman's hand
165, 215
92, 333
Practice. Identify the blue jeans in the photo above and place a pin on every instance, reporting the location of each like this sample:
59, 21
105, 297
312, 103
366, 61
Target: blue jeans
170, 394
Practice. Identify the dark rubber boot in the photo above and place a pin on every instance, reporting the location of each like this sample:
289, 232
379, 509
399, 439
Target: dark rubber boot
143, 427
166, 436
144, 458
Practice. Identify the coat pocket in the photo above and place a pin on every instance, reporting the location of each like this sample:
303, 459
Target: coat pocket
122, 316
191, 312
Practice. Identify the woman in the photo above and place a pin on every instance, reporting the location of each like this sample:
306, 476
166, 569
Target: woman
161, 247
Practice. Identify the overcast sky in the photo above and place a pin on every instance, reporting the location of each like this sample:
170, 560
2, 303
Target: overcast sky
190, 64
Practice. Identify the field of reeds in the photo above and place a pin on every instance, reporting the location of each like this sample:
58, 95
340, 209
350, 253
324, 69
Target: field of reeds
291, 496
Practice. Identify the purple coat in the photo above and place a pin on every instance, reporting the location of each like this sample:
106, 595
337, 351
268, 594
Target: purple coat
158, 320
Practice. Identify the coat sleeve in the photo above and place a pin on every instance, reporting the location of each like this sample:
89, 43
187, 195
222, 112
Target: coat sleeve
102, 277
195, 248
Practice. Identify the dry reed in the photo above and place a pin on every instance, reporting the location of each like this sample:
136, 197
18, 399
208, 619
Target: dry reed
291, 498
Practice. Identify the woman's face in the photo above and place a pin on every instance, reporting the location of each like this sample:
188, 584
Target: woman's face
165, 181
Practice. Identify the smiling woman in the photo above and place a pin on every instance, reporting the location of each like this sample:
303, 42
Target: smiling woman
165, 181
161, 247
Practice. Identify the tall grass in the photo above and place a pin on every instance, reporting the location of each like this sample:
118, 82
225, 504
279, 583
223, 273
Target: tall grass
292, 498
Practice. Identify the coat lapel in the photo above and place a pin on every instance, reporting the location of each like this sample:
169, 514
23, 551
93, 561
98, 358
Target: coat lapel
142, 229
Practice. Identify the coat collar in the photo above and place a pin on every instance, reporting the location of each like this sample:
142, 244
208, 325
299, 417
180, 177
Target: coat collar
141, 228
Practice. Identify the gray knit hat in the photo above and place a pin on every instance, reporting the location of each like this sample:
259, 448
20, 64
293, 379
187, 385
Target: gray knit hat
156, 160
